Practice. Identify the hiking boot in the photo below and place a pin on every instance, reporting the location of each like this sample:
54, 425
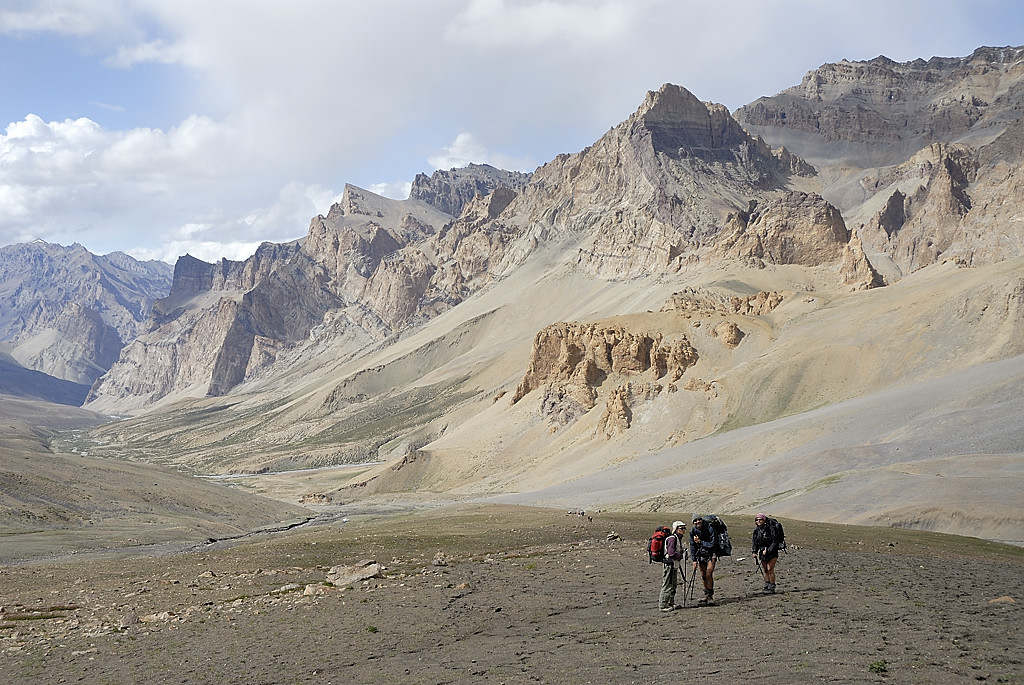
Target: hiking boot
770, 588
668, 609
767, 587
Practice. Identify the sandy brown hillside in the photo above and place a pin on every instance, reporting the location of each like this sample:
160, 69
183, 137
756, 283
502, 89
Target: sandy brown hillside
845, 417
677, 315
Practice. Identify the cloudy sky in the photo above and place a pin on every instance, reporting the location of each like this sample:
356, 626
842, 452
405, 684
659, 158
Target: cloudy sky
160, 127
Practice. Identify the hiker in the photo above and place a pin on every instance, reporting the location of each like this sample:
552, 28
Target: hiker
675, 553
765, 548
702, 551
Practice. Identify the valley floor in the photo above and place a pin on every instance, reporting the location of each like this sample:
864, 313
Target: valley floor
523, 595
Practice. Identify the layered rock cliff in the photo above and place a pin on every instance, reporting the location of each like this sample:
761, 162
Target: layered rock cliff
880, 102
656, 189
916, 155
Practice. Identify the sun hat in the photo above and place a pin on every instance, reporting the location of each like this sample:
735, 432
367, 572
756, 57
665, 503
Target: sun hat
677, 524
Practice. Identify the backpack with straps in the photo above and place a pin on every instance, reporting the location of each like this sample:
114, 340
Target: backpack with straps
778, 534
723, 543
656, 545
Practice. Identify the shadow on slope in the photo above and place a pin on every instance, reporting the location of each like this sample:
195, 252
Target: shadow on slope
17, 381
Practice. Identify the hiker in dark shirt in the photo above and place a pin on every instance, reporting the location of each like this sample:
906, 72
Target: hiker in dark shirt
765, 548
702, 551
675, 553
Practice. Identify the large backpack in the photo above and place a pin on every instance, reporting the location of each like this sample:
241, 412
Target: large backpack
778, 534
656, 544
723, 544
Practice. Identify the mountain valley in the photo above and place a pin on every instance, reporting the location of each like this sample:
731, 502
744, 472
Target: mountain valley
812, 306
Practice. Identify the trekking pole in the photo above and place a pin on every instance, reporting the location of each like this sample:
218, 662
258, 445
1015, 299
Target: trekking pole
692, 578
682, 567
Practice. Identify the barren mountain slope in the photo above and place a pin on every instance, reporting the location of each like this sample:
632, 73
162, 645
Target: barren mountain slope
674, 300
875, 407
652, 195
436, 406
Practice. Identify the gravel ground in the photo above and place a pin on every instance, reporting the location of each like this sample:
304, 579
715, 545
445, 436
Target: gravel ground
518, 595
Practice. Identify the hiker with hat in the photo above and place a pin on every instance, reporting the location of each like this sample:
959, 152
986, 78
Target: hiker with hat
702, 550
675, 553
764, 546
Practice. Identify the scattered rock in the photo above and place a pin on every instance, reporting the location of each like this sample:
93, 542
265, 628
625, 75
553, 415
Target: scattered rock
342, 576
729, 333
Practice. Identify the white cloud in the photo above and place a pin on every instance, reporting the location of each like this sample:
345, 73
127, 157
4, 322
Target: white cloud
396, 191
192, 174
155, 51
111, 108
491, 23
466, 149
208, 251
237, 237
463, 151
66, 17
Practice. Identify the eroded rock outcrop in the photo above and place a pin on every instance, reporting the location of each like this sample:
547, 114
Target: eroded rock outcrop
572, 361
471, 251
705, 302
756, 305
950, 202
797, 228
728, 332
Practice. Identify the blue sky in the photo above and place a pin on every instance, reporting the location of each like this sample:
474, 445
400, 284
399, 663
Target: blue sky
160, 127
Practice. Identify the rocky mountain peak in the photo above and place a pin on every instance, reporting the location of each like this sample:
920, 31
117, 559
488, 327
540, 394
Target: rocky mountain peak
677, 120
450, 191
